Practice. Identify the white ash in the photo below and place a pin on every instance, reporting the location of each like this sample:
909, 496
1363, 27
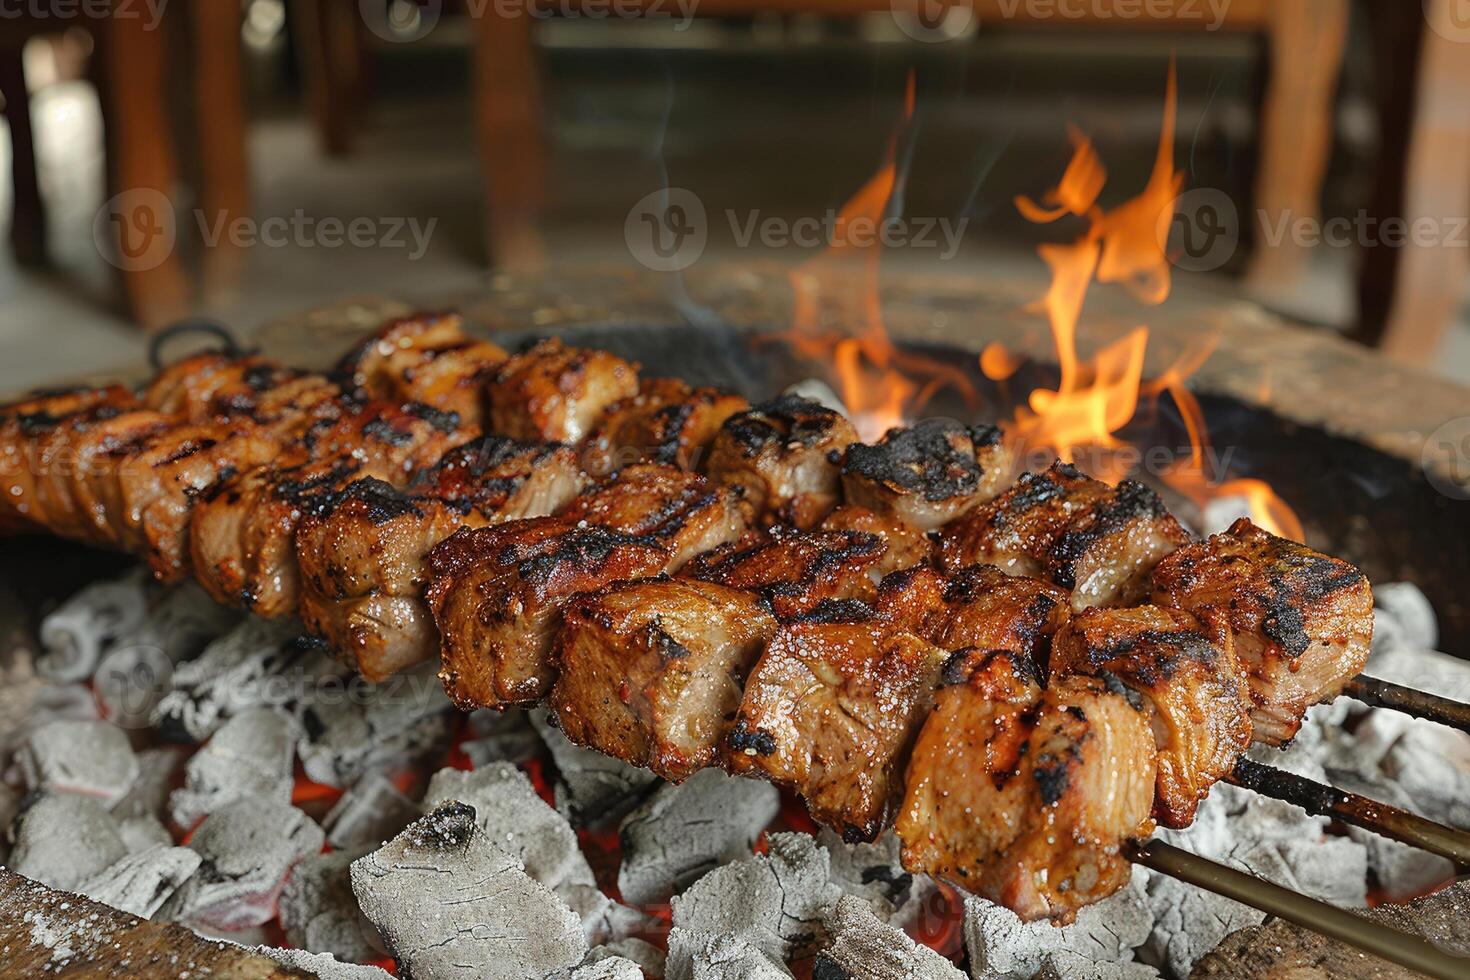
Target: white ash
592, 789
513, 817
864, 947
259, 663
875, 873
603, 920
1189, 922
141, 882
607, 968
362, 727
370, 813
75, 635
1414, 625
92, 758
250, 757
1099, 943
650, 958
319, 912
248, 849
157, 769
62, 840
712, 956
142, 833
683, 831
323, 966
27, 704
500, 736
451, 904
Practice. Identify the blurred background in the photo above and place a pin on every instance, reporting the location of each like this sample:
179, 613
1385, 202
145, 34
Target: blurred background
250, 159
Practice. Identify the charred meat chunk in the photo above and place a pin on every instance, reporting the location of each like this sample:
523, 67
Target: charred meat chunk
426, 359
1186, 673
906, 545
1302, 622
830, 711
556, 393
795, 571
784, 456
979, 606
667, 422
1025, 797
652, 672
929, 473
1079, 533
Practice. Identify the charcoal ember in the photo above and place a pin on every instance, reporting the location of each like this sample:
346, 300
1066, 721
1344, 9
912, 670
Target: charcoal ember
323, 966
248, 848
874, 872
772, 903
158, 769
374, 727
319, 912
1188, 923
1413, 623
1099, 943
705, 956
650, 958
683, 831
606, 968
250, 757
1401, 871
141, 833
603, 920
512, 816
27, 704
371, 812
261, 662
500, 736
592, 789
92, 758
77, 633
864, 946
62, 840
142, 881
451, 904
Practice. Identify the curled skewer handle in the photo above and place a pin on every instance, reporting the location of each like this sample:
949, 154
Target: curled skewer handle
210, 328
1355, 930
1420, 704
1322, 800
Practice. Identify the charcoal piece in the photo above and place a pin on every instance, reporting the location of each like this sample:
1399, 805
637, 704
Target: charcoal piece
773, 903
323, 966
874, 872
61, 840
513, 817
91, 758
592, 789
370, 813
451, 904
141, 833
258, 663
683, 831
250, 757
248, 849
1099, 943
75, 636
650, 958
603, 920
157, 770
10, 801
1188, 923
705, 956
141, 882
500, 736
863, 946
319, 912
606, 968
402, 721
1414, 622
27, 704
1402, 871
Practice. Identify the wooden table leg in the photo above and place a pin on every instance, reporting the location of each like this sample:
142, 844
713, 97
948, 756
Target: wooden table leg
508, 107
329, 41
219, 107
28, 211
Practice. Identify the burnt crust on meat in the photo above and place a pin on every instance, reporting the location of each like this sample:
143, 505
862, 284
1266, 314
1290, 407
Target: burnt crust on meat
929, 473
794, 572
668, 422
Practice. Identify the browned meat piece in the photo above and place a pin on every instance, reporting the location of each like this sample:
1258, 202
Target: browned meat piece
652, 671
1025, 797
199, 387
556, 393
830, 711
1186, 672
497, 594
907, 546
929, 473
685, 512
666, 422
1302, 622
784, 456
426, 359
1061, 525
794, 571
979, 606
363, 553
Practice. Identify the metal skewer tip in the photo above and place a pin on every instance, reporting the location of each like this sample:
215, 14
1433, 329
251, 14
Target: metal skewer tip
1420, 704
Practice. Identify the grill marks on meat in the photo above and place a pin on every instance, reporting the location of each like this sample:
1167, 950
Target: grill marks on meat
784, 458
929, 473
25, 428
795, 572
1100, 542
979, 606
905, 545
424, 359
363, 554
1184, 672
652, 672
667, 422
1301, 622
1025, 796
556, 393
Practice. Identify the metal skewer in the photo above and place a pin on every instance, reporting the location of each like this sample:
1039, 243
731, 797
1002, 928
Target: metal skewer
1420, 704
1360, 811
1404, 949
